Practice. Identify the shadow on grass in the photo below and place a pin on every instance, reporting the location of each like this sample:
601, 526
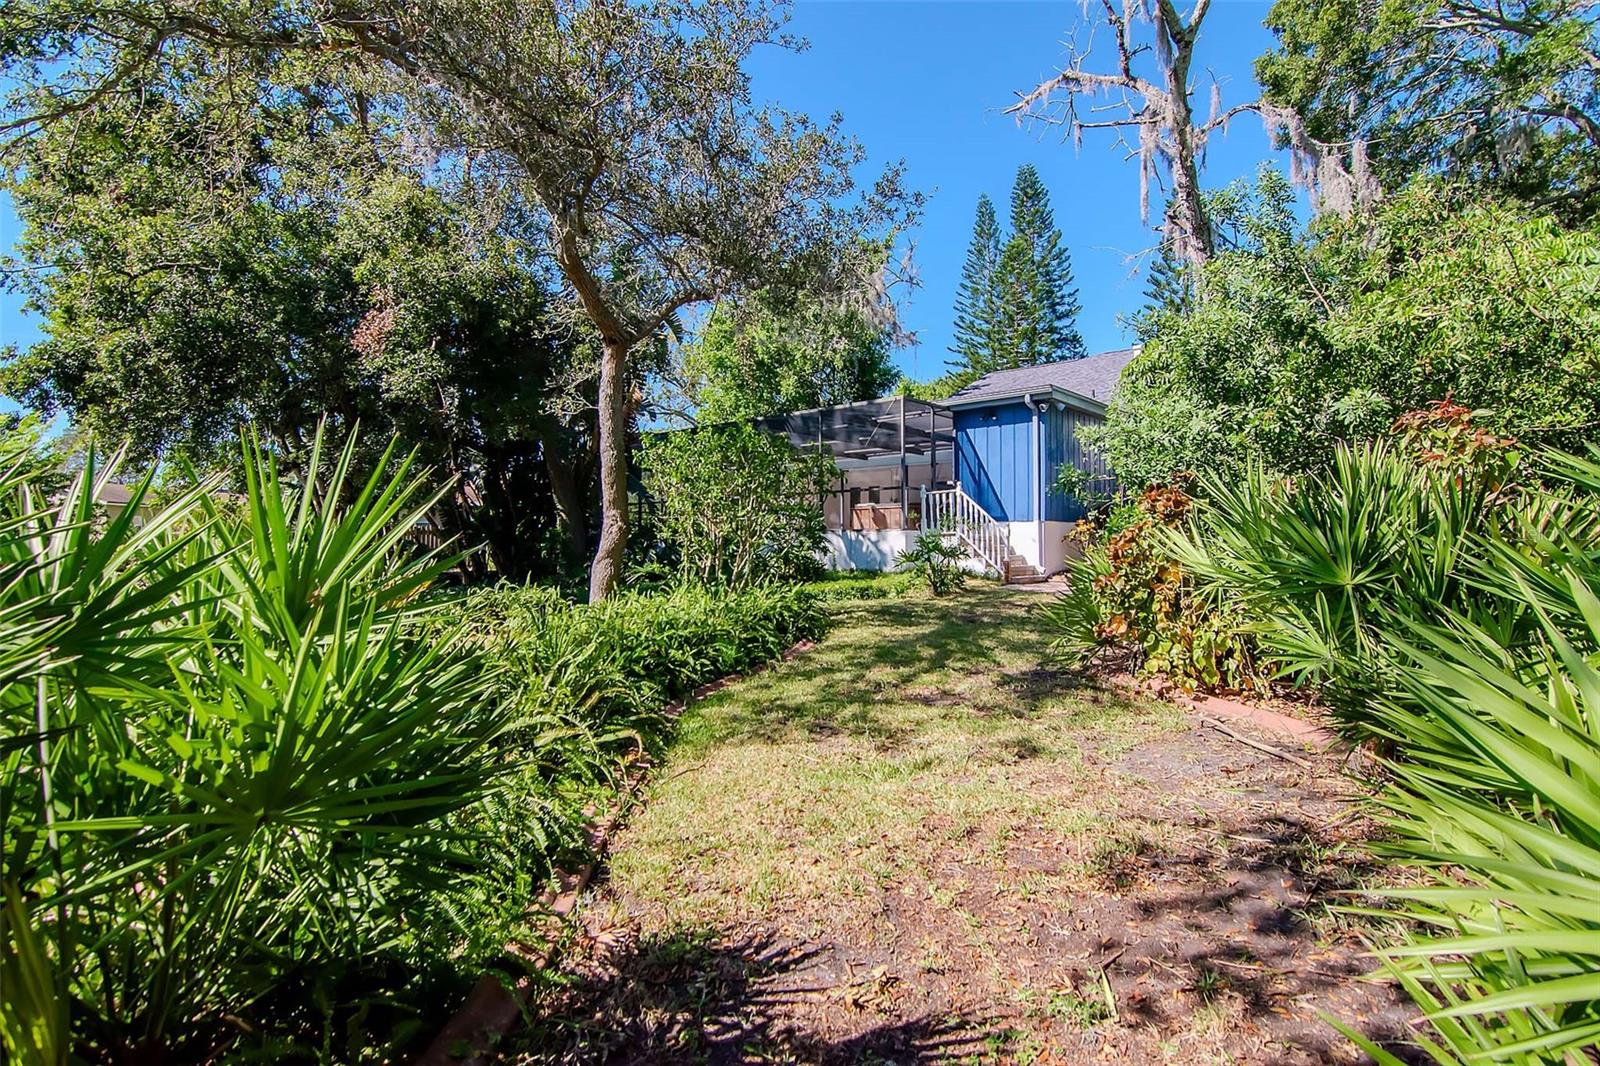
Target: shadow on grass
947, 652
689, 996
1232, 921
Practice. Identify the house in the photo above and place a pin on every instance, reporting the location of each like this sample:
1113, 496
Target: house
1012, 430
978, 467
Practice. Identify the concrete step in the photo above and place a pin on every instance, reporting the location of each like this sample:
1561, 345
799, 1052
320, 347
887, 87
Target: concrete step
1021, 572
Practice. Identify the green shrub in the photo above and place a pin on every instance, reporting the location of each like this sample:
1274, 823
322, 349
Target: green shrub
737, 505
936, 561
1126, 591
1459, 621
230, 754
1300, 340
249, 770
1317, 563
647, 649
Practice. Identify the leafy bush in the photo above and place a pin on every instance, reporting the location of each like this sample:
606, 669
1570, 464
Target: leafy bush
737, 505
646, 649
1316, 564
1504, 818
1302, 340
249, 770
1127, 591
1495, 794
585, 686
936, 562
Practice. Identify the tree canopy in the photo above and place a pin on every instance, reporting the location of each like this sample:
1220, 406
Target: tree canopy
627, 132
765, 356
1298, 340
1016, 305
1502, 94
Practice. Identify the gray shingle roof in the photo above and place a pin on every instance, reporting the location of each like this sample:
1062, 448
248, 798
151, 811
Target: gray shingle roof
1094, 376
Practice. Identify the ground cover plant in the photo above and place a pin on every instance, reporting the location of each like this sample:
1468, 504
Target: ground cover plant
861, 584
263, 792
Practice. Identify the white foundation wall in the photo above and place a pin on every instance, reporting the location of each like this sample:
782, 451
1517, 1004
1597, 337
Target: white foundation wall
875, 549
1024, 537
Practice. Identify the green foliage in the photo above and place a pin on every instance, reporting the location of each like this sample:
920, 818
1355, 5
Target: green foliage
1504, 949
212, 247
940, 388
1319, 563
1127, 592
1016, 305
977, 340
643, 650
1167, 286
936, 561
763, 358
737, 505
1495, 798
1295, 343
1037, 303
1501, 94
837, 585
249, 768
1457, 620
229, 752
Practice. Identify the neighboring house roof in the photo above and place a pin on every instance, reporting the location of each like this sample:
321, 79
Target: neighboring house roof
112, 494
1094, 378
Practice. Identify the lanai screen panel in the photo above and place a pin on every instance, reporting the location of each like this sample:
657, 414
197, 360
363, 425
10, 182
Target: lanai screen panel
865, 440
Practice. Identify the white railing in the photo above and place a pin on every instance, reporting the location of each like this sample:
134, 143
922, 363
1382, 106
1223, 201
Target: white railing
953, 513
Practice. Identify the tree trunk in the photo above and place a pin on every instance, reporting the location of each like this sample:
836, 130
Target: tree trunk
612, 426
1188, 203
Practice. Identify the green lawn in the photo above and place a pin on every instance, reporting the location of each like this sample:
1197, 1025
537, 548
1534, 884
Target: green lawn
918, 841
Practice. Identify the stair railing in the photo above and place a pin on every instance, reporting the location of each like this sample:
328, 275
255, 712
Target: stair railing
953, 513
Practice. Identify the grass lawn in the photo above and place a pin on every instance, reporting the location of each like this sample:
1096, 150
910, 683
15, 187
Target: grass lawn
917, 841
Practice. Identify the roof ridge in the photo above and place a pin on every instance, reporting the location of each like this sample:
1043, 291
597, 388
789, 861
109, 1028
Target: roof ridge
1092, 376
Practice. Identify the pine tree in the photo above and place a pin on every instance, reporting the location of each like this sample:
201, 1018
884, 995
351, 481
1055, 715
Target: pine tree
1034, 280
1167, 286
975, 327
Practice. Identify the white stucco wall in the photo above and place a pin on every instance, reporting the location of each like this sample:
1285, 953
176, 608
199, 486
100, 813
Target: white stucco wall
874, 549
878, 549
1052, 557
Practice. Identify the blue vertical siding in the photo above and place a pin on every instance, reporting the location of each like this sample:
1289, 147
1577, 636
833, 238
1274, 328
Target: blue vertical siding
1063, 446
994, 459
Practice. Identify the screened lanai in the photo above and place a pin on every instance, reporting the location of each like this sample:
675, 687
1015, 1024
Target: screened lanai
887, 450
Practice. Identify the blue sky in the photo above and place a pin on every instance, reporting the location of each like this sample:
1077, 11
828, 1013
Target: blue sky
927, 82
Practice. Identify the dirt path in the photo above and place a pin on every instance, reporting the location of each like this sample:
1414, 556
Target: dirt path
915, 843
